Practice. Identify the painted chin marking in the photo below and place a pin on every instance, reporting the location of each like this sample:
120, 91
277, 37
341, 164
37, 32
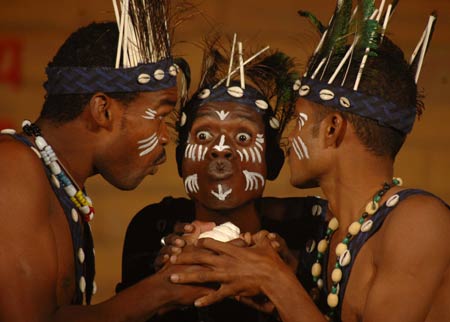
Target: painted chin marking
251, 179
191, 184
148, 144
221, 194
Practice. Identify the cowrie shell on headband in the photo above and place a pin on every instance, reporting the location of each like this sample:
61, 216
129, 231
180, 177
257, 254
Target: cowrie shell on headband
158, 74
143, 78
235, 91
297, 85
274, 123
345, 102
262, 104
204, 94
173, 71
304, 90
183, 119
326, 95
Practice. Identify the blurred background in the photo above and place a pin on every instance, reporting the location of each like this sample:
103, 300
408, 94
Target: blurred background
32, 31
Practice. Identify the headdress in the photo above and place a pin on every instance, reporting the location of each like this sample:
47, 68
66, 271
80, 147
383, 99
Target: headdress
262, 81
143, 61
353, 38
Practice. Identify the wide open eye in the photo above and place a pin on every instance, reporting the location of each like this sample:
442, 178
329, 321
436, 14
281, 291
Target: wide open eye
243, 137
204, 136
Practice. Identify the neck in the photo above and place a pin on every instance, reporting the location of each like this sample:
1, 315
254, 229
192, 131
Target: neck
70, 142
245, 216
351, 185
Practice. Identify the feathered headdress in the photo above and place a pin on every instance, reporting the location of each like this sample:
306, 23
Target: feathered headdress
262, 81
353, 36
143, 61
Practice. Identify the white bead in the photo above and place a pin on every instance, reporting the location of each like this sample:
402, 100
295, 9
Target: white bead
320, 283
204, 93
159, 74
74, 215
372, 207
91, 216
25, 123
54, 168
332, 300
323, 245
82, 284
40, 142
345, 258
316, 210
316, 269
89, 200
333, 224
340, 249
143, 79
345, 102
354, 228
366, 226
85, 209
297, 85
55, 182
36, 151
70, 190
393, 201
336, 275
262, 104
94, 288
81, 255
235, 91
183, 119
304, 90
326, 94
8, 131
173, 71
274, 123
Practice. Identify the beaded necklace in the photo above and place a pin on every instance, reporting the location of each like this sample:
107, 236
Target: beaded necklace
343, 255
63, 178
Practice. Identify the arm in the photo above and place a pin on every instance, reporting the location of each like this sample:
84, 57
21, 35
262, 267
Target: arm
411, 262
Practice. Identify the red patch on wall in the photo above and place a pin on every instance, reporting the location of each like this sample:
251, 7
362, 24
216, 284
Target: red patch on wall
11, 62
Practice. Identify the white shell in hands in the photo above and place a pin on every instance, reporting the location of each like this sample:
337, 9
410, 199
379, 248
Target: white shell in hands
223, 233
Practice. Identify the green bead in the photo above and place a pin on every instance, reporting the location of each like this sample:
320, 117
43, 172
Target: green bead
395, 181
361, 220
334, 290
319, 255
377, 198
346, 241
315, 279
329, 231
337, 265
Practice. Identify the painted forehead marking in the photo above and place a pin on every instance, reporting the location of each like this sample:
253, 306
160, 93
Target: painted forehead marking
222, 114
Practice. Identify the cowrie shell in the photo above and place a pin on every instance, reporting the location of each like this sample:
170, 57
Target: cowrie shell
204, 94
235, 91
173, 71
262, 104
183, 119
345, 258
310, 246
274, 123
297, 85
159, 74
366, 226
326, 95
393, 201
74, 215
143, 78
304, 90
8, 131
345, 102
82, 284
316, 210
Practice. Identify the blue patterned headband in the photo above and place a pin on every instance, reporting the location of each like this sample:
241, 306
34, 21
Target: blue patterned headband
85, 80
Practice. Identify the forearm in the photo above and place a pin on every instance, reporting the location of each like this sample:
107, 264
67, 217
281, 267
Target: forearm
290, 298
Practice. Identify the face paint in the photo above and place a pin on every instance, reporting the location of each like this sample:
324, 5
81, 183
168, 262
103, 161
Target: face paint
221, 146
148, 144
302, 118
150, 114
222, 115
300, 148
195, 152
191, 184
251, 179
253, 153
220, 194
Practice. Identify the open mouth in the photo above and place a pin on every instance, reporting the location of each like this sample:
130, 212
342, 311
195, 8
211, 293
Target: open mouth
220, 169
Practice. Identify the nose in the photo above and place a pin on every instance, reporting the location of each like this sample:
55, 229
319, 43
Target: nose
163, 133
220, 149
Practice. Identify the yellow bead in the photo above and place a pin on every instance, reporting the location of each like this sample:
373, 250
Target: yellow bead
323, 245
332, 300
372, 207
316, 270
354, 228
333, 224
340, 249
336, 275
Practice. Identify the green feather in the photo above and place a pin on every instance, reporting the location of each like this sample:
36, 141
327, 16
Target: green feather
313, 19
336, 38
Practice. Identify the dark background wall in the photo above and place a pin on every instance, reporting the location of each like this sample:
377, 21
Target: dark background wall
32, 31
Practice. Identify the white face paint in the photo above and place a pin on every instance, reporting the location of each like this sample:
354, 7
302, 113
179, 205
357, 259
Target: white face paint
191, 184
253, 153
148, 144
300, 148
220, 194
195, 152
221, 146
251, 179
222, 115
150, 114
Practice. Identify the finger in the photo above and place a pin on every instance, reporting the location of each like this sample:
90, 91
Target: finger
213, 297
199, 277
217, 246
174, 240
181, 228
160, 261
260, 236
203, 226
247, 238
196, 256
238, 242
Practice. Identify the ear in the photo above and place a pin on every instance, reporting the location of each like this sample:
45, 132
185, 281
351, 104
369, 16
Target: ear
100, 107
335, 126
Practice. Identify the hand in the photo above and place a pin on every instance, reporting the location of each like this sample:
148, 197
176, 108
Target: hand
241, 271
183, 234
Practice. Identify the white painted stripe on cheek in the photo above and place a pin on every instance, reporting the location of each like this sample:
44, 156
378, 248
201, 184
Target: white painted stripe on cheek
305, 148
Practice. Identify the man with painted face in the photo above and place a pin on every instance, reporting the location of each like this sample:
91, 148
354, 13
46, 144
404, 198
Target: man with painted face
373, 261
228, 146
102, 115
